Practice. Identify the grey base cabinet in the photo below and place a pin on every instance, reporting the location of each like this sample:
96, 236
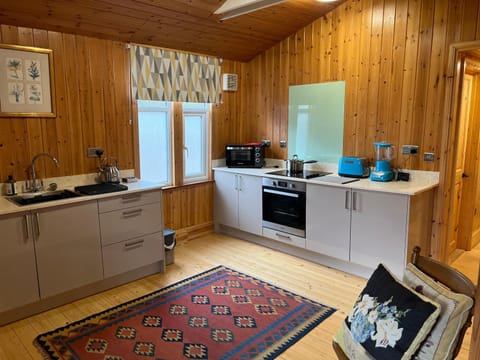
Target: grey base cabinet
18, 270
238, 201
55, 254
361, 227
47, 252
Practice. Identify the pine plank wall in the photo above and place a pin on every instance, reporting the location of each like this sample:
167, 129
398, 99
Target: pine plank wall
392, 54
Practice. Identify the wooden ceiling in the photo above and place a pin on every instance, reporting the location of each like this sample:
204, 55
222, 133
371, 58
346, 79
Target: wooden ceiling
188, 25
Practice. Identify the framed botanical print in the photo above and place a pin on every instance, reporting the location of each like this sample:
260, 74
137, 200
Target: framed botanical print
26, 82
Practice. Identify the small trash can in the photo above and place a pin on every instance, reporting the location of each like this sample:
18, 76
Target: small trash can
169, 243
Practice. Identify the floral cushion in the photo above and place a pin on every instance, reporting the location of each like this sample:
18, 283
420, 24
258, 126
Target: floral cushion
388, 321
443, 338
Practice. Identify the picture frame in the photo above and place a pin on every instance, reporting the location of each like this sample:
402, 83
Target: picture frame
26, 82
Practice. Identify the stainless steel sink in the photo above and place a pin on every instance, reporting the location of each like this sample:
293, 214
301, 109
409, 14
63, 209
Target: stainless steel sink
35, 198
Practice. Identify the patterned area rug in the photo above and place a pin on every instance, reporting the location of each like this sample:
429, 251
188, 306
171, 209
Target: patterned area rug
218, 314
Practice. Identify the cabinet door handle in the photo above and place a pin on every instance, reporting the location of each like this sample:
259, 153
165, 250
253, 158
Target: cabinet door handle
347, 200
354, 202
131, 213
26, 225
286, 237
36, 222
131, 198
236, 182
135, 243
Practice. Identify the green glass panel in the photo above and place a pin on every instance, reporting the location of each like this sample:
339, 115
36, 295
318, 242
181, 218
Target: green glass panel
315, 121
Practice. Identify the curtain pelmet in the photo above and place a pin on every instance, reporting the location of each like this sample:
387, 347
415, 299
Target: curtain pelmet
166, 75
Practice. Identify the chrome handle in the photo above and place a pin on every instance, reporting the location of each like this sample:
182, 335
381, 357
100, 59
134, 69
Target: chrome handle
134, 243
25, 224
239, 182
282, 193
284, 236
37, 224
354, 202
131, 213
131, 198
347, 200
236, 182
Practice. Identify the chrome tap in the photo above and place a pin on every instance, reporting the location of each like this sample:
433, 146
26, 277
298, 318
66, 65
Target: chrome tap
34, 186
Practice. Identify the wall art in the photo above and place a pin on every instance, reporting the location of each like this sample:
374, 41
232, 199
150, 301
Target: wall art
26, 82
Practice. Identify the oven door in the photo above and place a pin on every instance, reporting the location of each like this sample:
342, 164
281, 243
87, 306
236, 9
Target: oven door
284, 210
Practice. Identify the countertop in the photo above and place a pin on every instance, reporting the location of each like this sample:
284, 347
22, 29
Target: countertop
419, 182
9, 207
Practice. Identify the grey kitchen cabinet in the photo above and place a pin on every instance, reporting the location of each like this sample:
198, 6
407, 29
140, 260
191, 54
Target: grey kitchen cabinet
18, 271
131, 231
238, 201
362, 227
379, 229
327, 225
47, 252
67, 246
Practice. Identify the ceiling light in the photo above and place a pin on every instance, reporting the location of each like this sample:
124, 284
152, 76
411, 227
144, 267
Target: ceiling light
236, 8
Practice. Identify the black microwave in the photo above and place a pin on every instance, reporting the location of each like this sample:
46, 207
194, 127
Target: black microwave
245, 155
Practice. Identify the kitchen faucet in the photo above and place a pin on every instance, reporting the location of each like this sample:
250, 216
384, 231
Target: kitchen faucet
34, 186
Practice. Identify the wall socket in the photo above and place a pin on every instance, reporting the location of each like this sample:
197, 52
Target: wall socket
94, 152
428, 156
410, 149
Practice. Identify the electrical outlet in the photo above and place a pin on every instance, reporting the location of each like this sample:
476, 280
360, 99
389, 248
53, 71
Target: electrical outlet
94, 152
266, 143
409, 149
428, 156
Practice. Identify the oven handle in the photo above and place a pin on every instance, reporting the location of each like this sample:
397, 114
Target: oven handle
282, 193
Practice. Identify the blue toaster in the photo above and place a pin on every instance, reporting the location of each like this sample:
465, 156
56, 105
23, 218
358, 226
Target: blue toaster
353, 166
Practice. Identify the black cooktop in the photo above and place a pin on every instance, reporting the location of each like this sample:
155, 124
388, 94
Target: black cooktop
103, 188
309, 174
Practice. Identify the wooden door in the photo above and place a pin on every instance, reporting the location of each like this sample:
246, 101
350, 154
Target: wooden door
460, 162
468, 203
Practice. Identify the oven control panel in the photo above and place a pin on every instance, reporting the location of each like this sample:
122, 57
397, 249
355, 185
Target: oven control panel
285, 184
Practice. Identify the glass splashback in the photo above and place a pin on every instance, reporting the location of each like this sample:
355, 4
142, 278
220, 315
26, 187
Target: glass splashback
315, 121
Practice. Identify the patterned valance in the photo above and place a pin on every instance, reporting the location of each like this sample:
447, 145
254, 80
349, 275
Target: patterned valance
166, 75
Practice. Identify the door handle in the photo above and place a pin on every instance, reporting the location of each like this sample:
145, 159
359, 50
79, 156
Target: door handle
36, 222
347, 200
464, 175
26, 224
354, 201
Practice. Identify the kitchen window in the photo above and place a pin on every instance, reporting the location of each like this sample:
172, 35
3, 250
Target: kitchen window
158, 121
155, 140
195, 141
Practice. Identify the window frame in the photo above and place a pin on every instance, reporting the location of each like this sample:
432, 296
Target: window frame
176, 138
170, 119
206, 120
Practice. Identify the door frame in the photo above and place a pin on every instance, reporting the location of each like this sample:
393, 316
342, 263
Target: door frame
442, 220
447, 168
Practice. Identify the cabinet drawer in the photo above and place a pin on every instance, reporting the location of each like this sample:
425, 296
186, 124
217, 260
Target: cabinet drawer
129, 200
132, 254
119, 225
284, 237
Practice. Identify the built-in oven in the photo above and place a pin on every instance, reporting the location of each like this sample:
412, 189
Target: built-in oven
284, 203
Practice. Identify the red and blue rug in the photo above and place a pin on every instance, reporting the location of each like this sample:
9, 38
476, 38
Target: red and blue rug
218, 314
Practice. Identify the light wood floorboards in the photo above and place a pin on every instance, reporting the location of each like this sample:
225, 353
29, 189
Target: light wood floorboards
328, 286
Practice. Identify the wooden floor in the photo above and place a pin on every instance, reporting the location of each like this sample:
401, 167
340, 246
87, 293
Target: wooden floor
328, 286
468, 262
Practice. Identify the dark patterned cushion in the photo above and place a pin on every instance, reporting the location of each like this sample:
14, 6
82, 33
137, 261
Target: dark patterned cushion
388, 321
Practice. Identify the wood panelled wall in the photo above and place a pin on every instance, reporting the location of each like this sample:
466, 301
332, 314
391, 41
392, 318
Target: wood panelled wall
93, 107
393, 57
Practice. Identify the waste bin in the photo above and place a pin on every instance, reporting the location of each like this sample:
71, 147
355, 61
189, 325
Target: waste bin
169, 243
